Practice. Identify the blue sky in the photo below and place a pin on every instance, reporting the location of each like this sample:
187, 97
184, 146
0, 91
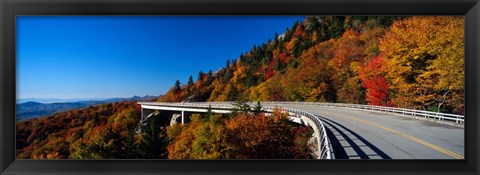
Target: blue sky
123, 56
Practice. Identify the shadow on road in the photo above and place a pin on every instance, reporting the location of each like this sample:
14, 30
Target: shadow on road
348, 144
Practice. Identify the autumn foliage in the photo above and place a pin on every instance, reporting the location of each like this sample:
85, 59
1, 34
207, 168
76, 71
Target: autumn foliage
374, 81
108, 132
409, 62
99, 132
242, 136
425, 56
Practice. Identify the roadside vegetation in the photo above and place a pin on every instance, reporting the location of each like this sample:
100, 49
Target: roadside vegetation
241, 135
409, 62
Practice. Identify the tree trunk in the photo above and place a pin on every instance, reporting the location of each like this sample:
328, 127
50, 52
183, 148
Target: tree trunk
443, 98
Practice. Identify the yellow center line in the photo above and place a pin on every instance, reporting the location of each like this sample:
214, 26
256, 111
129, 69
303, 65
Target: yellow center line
435, 147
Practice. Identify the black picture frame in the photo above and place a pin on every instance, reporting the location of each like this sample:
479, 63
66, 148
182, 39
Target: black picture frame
11, 8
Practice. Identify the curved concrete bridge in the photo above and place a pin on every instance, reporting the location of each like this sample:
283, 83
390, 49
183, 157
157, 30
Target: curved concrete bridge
368, 132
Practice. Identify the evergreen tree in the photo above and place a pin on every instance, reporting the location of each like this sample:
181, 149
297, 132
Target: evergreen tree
200, 75
190, 81
177, 86
240, 106
209, 77
257, 109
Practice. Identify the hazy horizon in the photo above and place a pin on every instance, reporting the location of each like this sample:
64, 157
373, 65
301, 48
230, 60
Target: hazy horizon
65, 100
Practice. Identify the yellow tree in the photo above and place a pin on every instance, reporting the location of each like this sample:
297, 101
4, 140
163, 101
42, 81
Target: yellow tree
426, 58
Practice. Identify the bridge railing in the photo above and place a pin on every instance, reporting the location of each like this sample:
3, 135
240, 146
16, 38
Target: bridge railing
460, 119
397, 111
324, 146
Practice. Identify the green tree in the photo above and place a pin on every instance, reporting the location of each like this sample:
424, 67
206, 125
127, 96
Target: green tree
200, 75
209, 77
257, 109
190, 86
190, 81
153, 142
177, 87
240, 106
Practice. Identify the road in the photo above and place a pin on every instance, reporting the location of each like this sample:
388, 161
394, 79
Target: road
374, 135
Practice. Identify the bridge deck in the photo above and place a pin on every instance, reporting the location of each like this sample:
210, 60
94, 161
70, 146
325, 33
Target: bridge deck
373, 135
358, 134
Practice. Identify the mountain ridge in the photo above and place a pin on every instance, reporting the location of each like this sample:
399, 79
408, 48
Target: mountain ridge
408, 62
31, 109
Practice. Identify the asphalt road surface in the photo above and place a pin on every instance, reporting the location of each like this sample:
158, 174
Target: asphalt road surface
358, 134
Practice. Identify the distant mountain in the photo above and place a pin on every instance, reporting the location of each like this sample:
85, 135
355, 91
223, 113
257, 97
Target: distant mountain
134, 98
57, 100
35, 109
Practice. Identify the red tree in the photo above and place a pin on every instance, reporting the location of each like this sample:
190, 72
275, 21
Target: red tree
374, 81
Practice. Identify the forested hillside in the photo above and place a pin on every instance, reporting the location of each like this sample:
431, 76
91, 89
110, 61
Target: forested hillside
102, 131
240, 135
108, 132
409, 62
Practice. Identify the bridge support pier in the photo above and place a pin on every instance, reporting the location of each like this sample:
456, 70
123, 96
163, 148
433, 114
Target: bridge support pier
145, 113
174, 118
183, 118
